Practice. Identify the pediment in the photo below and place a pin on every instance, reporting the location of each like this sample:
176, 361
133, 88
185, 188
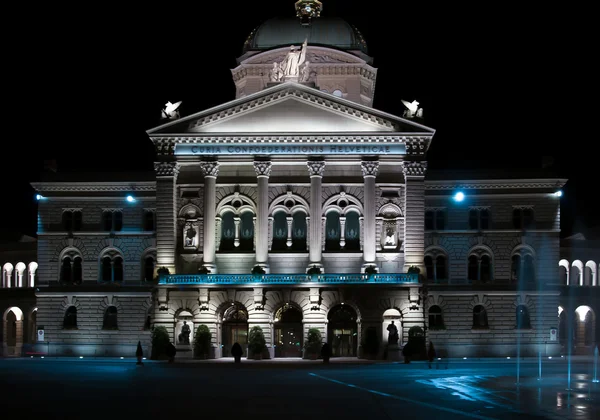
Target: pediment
289, 108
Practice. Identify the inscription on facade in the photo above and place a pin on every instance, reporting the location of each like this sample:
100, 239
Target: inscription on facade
289, 149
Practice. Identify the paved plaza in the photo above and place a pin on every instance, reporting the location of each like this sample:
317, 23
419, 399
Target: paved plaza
295, 389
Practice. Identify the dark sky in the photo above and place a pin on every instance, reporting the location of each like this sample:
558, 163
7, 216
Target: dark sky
496, 81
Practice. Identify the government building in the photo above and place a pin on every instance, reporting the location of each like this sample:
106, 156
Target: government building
298, 205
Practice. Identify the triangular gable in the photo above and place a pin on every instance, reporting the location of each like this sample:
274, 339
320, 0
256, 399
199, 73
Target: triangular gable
290, 108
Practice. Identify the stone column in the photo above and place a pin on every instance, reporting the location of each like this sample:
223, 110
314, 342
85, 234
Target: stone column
166, 177
342, 232
289, 220
315, 171
263, 171
236, 239
210, 170
370, 169
414, 214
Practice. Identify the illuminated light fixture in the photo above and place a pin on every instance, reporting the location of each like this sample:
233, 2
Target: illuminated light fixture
143, 358
459, 196
39, 197
464, 358
582, 311
508, 357
307, 10
42, 357
558, 193
439, 358
81, 357
130, 199
122, 357
549, 357
31, 357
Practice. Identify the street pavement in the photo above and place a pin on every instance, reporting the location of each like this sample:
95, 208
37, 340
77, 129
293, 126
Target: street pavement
70, 388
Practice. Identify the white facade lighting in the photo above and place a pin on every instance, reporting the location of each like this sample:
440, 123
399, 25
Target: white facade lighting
130, 199
39, 197
558, 193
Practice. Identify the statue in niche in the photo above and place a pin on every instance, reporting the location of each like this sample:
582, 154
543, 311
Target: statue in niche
390, 238
184, 335
392, 334
190, 237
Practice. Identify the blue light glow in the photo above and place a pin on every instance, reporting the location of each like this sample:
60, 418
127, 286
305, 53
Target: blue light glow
130, 199
459, 196
558, 193
39, 197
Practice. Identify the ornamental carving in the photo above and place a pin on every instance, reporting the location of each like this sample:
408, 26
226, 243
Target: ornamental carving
369, 168
166, 169
262, 168
414, 168
209, 168
316, 168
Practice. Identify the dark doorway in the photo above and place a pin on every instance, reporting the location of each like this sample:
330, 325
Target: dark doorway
342, 331
235, 328
288, 332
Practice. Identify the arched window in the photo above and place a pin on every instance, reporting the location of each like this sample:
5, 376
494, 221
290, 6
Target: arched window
247, 231
337, 93
522, 268
110, 319
280, 231
227, 232
118, 269
480, 320
77, 270
485, 274
436, 321
352, 232
106, 269
429, 267
441, 269
299, 231
523, 317
332, 231
473, 268
149, 268
65, 271
70, 321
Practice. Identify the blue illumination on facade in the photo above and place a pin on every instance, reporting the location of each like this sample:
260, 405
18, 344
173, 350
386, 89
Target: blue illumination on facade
130, 199
459, 196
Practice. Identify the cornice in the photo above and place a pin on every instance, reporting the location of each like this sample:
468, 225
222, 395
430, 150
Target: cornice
493, 184
93, 186
284, 90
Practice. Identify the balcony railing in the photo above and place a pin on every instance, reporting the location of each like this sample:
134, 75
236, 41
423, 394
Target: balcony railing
289, 278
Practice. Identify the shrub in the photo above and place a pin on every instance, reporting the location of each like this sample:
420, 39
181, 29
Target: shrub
160, 342
313, 341
258, 270
202, 341
370, 342
413, 269
256, 340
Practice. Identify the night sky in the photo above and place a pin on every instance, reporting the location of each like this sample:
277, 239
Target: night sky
83, 85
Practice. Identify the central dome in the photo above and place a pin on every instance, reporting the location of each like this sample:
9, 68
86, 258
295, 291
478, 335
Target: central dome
278, 32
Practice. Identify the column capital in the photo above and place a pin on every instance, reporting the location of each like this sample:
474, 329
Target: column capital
316, 167
262, 168
369, 168
414, 168
166, 169
209, 169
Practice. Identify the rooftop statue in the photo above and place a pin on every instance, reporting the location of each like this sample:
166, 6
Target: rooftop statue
412, 110
294, 60
170, 111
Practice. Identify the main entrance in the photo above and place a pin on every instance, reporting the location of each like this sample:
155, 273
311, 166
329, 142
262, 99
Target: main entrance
288, 332
342, 331
235, 328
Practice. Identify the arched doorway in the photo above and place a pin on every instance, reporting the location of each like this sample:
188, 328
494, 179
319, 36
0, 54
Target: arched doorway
13, 331
235, 328
288, 332
585, 325
342, 331
389, 316
184, 331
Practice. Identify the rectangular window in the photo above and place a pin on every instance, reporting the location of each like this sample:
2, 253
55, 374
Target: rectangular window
77, 221
107, 221
523, 218
435, 219
149, 225
112, 221
479, 219
429, 225
117, 221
